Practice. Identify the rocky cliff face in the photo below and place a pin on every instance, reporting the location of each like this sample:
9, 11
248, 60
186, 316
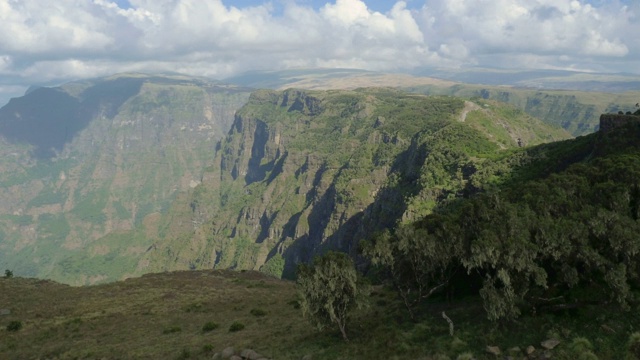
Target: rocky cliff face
87, 169
137, 182
301, 172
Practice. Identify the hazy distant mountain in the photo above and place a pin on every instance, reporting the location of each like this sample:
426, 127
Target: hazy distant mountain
84, 163
539, 79
573, 100
289, 78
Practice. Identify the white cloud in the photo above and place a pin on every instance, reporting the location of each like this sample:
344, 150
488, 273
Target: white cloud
35, 27
520, 27
61, 40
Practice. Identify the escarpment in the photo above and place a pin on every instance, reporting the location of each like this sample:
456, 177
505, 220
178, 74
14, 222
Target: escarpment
301, 172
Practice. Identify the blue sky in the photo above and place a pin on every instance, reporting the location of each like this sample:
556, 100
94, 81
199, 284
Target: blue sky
47, 42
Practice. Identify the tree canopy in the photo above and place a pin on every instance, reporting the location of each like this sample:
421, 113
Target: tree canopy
330, 289
554, 241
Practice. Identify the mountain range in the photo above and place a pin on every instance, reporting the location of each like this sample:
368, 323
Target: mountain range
109, 178
414, 187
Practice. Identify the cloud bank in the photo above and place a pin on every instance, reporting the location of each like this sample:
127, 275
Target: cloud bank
48, 41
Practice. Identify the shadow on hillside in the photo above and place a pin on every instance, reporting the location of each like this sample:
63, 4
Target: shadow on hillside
384, 212
49, 118
390, 203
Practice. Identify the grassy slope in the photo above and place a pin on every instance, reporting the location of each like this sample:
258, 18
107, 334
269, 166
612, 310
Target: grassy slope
576, 111
139, 318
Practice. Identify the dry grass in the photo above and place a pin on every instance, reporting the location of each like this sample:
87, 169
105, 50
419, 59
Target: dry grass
139, 318
162, 316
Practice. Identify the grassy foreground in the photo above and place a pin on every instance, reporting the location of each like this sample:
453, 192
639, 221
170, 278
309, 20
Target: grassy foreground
189, 315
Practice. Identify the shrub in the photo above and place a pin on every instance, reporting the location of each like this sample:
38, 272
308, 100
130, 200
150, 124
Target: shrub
580, 349
210, 326
236, 326
465, 356
581, 344
274, 266
195, 307
294, 303
184, 354
587, 356
171, 330
258, 312
418, 264
633, 346
14, 326
8, 274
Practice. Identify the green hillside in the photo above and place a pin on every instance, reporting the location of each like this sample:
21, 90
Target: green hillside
548, 234
140, 183
477, 232
576, 111
570, 99
554, 226
305, 171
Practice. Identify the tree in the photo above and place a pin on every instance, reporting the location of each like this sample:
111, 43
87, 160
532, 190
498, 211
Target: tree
330, 289
419, 263
8, 274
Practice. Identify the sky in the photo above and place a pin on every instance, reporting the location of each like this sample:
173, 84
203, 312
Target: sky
51, 42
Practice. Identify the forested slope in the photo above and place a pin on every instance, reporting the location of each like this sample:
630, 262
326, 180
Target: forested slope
549, 227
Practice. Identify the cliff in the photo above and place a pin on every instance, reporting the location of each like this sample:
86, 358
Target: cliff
301, 172
87, 167
142, 184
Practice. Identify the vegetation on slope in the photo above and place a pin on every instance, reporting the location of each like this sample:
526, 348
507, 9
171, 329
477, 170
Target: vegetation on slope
81, 209
546, 234
306, 171
575, 111
174, 316
569, 99
558, 234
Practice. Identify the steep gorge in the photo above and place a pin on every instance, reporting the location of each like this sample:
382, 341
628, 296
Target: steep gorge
143, 185
301, 172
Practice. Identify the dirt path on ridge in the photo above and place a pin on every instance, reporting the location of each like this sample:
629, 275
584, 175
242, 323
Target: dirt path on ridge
468, 106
